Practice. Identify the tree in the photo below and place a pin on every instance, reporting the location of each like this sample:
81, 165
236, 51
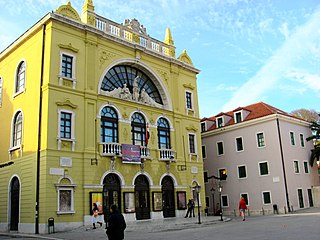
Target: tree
315, 153
307, 115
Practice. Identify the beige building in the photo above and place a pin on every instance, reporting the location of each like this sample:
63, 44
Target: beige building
266, 157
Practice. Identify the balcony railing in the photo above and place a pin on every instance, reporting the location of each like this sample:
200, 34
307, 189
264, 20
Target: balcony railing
134, 36
166, 155
145, 152
110, 149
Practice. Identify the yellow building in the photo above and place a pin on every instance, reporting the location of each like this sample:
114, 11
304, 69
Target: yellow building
93, 111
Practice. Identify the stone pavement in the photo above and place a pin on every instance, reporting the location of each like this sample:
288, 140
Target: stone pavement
150, 225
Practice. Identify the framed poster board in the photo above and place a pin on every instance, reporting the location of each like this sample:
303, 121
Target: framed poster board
96, 197
157, 201
181, 200
128, 199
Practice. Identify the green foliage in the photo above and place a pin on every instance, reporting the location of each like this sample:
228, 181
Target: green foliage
315, 153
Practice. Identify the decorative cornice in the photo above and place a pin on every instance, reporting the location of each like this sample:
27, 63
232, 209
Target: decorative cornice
192, 128
68, 11
67, 103
69, 47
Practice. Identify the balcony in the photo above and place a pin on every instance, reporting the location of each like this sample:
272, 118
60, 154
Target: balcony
110, 149
166, 155
145, 152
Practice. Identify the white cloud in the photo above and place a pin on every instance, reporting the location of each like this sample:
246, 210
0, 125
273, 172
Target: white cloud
306, 79
293, 50
284, 30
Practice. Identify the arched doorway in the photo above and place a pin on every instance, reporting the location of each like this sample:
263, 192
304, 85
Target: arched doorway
142, 196
167, 188
111, 193
14, 203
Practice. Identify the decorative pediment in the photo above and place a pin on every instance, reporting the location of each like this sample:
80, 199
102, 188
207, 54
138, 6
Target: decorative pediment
192, 128
68, 11
135, 26
69, 47
67, 103
190, 86
184, 57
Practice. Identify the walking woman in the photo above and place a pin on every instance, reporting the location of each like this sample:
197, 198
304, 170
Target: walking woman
242, 208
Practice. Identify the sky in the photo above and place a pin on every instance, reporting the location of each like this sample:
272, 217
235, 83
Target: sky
247, 51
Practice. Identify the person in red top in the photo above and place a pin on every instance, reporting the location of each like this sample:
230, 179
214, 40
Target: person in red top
242, 208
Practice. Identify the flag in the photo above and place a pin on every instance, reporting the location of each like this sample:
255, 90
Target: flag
147, 134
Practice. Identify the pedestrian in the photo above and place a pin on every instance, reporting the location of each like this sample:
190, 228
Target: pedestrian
192, 207
95, 216
189, 211
242, 208
115, 224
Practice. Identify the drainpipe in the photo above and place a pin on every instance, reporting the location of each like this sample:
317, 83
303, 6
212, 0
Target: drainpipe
39, 130
283, 166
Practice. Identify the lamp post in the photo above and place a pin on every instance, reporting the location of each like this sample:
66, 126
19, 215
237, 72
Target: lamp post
220, 190
213, 205
197, 189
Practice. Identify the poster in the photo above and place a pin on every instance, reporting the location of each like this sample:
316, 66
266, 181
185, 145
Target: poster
182, 203
131, 153
157, 201
96, 197
129, 202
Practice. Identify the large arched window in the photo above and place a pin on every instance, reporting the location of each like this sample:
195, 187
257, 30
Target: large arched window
21, 77
163, 133
109, 125
123, 76
17, 130
138, 129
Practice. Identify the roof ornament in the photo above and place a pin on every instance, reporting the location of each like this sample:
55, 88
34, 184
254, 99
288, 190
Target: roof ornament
135, 26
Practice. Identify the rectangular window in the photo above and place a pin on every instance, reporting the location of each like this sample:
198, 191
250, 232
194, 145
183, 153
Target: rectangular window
239, 144
114, 30
220, 148
143, 42
65, 125
292, 138
266, 197
66, 66
300, 198
155, 46
301, 140
192, 147
203, 127
246, 197
205, 175
260, 139
222, 171
189, 100
224, 201
204, 152
306, 167
219, 122
263, 167
242, 172
238, 117
296, 166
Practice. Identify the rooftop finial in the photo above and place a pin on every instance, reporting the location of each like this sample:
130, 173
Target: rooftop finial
168, 38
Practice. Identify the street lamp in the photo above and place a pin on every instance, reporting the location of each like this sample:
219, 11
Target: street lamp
197, 189
213, 205
220, 190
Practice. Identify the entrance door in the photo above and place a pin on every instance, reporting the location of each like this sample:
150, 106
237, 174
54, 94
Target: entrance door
111, 193
142, 196
310, 198
14, 204
300, 196
168, 206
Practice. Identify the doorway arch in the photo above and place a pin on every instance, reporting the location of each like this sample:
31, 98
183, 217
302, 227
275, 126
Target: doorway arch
111, 193
142, 196
14, 203
167, 188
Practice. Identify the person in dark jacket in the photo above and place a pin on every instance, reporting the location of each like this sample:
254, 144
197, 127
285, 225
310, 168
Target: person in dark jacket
115, 224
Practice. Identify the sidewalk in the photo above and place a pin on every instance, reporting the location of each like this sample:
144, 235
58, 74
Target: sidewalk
150, 225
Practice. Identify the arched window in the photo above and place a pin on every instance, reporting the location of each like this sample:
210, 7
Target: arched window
109, 125
163, 134
21, 77
138, 129
122, 75
17, 130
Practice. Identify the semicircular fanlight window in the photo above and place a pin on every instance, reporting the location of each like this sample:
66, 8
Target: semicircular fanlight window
120, 75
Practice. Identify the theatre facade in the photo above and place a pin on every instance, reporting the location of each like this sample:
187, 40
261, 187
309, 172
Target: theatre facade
93, 111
